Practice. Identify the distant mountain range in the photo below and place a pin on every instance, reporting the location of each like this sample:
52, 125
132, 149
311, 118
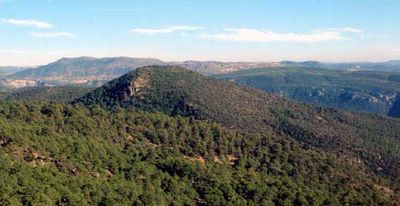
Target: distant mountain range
362, 86
389, 66
215, 67
96, 71
81, 70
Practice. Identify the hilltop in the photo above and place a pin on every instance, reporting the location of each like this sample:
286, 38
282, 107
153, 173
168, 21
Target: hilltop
370, 140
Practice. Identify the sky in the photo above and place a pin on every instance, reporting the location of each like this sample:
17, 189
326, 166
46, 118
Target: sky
36, 32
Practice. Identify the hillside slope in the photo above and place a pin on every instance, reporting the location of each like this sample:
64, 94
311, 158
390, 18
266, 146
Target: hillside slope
361, 91
394, 110
54, 154
369, 141
221, 144
45, 94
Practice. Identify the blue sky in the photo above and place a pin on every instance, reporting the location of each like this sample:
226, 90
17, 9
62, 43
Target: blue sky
34, 32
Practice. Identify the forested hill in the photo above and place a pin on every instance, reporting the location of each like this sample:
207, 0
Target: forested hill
169, 136
367, 140
353, 90
54, 154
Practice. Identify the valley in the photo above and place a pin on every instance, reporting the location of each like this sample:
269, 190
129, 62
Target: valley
360, 91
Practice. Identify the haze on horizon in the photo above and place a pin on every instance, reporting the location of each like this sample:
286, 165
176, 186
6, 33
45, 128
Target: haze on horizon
42, 31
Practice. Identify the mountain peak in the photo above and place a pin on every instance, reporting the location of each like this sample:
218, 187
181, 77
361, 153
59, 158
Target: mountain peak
138, 87
177, 91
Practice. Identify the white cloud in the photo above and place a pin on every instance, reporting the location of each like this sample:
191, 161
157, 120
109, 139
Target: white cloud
27, 22
165, 30
347, 29
261, 35
53, 34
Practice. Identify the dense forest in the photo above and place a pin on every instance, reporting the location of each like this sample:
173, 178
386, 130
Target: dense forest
49, 94
70, 155
177, 91
353, 90
394, 111
169, 136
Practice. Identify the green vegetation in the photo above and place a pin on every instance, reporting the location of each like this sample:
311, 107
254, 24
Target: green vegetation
394, 111
177, 91
69, 155
362, 91
169, 136
39, 94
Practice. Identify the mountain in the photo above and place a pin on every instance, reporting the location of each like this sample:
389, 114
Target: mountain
96, 71
165, 135
81, 70
367, 140
393, 62
388, 66
216, 67
310, 64
361, 91
391, 66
